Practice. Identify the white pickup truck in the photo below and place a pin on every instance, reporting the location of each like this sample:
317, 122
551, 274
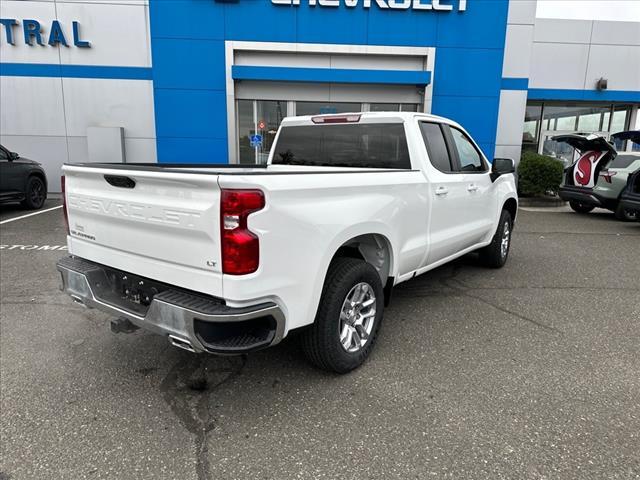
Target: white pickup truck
231, 258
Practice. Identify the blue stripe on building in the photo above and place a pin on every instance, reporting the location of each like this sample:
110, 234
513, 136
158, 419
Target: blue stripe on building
74, 71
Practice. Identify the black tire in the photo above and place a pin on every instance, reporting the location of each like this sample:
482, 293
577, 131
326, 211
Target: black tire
492, 255
35, 194
321, 341
580, 207
625, 215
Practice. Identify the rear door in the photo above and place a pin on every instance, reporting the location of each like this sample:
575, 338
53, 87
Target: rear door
157, 223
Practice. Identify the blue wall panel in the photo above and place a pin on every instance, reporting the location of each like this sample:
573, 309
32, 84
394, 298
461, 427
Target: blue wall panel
201, 68
192, 150
188, 59
461, 71
190, 113
186, 19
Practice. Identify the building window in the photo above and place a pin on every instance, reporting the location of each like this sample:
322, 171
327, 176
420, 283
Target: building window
392, 107
259, 119
543, 120
319, 108
531, 132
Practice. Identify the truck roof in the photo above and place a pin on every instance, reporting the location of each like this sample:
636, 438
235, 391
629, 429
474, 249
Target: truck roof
374, 117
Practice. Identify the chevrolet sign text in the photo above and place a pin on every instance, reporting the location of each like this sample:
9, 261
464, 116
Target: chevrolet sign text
437, 5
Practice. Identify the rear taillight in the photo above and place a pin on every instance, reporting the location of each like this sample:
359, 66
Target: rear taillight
606, 174
240, 246
64, 204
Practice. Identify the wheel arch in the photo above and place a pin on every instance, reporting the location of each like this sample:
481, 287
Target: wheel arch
374, 246
511, 206
36, 173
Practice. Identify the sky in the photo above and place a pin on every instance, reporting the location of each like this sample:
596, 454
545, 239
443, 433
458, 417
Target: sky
616, 10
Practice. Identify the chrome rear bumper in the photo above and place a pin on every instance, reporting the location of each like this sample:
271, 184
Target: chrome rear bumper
194, 322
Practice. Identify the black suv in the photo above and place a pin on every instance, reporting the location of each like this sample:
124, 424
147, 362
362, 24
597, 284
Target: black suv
21, 180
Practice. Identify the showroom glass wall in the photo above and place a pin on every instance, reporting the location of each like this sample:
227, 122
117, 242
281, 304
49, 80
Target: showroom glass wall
258, 120
544, 120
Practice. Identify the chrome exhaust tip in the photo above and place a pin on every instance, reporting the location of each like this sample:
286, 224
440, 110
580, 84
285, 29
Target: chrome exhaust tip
181, 343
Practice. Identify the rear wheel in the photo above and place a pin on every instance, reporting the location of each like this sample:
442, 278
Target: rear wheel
580, 207
496, 253
35, 194
624, 214
348, 318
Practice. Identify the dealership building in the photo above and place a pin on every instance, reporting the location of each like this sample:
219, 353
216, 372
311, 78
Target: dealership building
192, 81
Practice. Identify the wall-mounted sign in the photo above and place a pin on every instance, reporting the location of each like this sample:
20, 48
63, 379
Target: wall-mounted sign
437, 5
33, 33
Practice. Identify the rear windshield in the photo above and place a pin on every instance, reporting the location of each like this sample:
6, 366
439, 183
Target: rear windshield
373, 145
623, 161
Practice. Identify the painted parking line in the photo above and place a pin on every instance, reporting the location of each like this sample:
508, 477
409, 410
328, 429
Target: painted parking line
29, 215
37, 248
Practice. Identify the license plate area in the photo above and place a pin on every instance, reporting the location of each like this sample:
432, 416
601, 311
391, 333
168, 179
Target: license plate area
125, 290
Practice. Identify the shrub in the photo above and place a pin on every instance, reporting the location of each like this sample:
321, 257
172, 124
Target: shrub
539, 174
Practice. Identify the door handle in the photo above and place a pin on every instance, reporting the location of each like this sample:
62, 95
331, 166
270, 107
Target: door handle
442, 191
472, 188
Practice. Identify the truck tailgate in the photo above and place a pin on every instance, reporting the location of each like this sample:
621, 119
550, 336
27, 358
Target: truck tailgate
162, 225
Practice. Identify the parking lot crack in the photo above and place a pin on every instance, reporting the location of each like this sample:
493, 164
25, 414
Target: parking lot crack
188, 387
464, 290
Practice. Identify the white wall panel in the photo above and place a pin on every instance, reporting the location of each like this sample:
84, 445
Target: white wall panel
511, 117
562, 31
78, 150
140, 150
619, 64
116, 103
557, 65
50, 151
522, 12
517, 53
616, 33
44, 12
508, 151
119, 34
31, 106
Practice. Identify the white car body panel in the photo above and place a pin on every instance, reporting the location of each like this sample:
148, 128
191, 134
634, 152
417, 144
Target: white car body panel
167, 228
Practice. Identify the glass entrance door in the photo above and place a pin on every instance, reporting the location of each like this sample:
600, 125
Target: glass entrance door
258, 122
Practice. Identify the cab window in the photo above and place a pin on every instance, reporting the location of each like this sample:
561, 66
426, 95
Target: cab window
469, 157
433, 137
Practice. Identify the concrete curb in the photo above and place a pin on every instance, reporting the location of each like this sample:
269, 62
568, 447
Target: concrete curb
551, 202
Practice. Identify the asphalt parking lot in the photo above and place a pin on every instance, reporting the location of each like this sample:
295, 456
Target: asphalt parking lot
531, 371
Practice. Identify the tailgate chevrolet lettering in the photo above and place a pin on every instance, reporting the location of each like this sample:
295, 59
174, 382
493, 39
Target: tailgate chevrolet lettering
134, 211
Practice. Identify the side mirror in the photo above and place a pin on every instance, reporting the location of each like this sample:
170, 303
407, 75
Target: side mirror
13, 156
502, 166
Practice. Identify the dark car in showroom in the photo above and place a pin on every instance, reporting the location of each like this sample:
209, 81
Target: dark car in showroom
21, 180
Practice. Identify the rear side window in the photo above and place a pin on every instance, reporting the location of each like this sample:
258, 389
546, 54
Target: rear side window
436, 146
468, 156
344, 145
623, 161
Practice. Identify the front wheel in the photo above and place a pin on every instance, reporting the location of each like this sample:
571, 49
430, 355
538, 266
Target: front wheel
580, 207
495, 254
348, 318
35, 194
